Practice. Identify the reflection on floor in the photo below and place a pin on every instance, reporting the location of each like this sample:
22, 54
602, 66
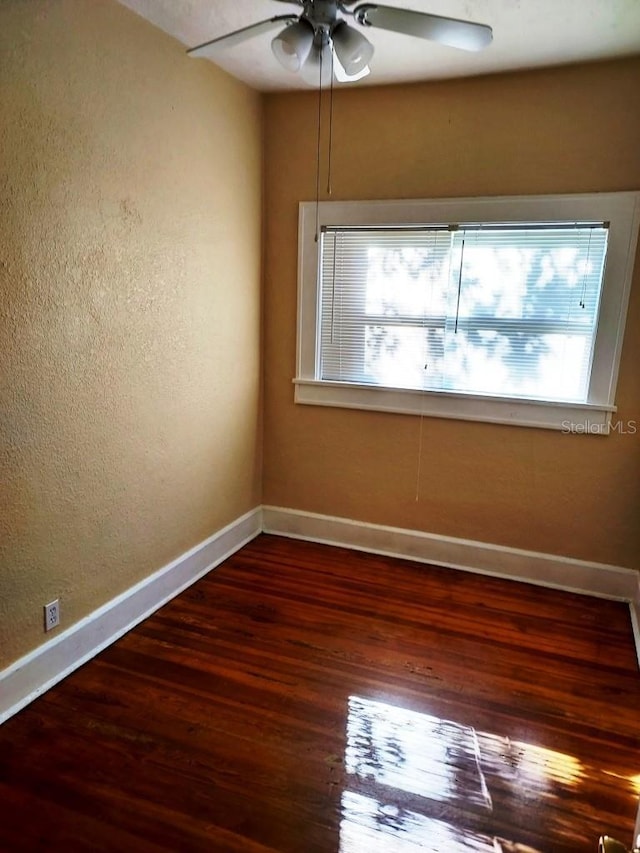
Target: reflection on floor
408, 751
393, 751
396, 757
375, 826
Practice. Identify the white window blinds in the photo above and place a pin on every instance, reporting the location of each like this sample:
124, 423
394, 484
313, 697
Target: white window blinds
485, 309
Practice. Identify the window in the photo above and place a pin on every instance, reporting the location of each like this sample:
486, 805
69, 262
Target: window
508, 310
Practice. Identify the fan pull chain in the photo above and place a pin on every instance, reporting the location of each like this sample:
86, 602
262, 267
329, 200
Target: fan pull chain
419, 463
318, 149
330, 128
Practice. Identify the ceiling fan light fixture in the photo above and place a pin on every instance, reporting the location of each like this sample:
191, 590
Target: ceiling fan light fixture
342, 76
293, 45
353, 50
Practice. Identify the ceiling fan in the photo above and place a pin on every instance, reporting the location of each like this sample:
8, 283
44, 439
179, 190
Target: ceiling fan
319, 43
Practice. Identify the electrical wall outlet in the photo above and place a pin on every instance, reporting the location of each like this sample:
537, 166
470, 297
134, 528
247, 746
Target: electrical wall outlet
51, 615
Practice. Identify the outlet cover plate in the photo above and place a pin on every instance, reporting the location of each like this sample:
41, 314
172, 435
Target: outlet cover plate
51, 615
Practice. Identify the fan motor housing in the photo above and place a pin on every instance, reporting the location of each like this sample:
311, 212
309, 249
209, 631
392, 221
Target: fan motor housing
321, 13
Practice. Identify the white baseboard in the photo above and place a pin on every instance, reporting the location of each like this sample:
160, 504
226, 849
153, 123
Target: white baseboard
559, 572
39, 670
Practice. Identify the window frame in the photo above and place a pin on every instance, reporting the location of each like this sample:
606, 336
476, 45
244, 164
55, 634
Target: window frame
620, 209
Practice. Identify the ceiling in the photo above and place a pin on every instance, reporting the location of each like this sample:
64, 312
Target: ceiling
527, 34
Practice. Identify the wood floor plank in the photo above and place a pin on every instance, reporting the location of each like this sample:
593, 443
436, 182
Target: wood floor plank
307, 699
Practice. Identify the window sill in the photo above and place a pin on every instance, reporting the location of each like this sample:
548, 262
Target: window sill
580, 418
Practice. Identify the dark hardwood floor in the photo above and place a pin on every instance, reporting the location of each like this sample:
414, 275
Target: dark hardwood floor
303, 698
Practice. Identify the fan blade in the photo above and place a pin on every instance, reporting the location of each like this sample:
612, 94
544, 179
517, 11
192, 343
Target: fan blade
238, 36
465, 35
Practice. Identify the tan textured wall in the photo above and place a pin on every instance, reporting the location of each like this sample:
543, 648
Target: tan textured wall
557, 131
130, 186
